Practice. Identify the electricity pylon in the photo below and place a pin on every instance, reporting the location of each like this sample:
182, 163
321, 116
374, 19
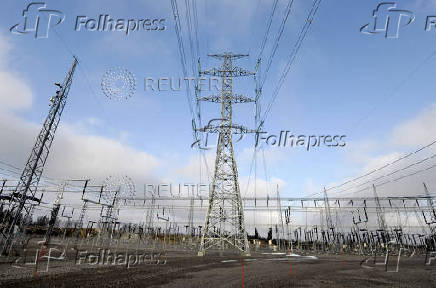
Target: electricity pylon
225, 216
28, 183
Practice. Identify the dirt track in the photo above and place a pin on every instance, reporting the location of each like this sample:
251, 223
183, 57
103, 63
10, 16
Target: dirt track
259, 270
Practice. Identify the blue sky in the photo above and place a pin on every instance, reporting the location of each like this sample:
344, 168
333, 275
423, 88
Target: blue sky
377, 91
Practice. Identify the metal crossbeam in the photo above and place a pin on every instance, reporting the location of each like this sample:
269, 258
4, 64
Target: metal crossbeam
236, 98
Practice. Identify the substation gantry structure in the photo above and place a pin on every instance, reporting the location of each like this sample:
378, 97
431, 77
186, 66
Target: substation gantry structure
224, 224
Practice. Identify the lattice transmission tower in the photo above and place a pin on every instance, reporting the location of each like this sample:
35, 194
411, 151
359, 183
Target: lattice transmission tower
224, 223
28, 184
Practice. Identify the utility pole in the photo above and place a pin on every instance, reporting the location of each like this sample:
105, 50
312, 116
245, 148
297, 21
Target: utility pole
150, 215
28, 183
225, 216
380, 214
328, 215
279, 210
432, 217
288, 220
191, 217
54, 213
381, 219
67, 225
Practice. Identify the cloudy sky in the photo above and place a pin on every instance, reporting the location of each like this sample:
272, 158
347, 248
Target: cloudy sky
378, 92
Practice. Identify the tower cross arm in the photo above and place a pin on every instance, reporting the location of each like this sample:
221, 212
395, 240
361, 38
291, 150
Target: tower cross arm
237, 129
237, 98
233, 72
228, 55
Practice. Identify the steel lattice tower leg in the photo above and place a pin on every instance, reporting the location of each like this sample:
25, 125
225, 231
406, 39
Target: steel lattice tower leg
28, 183
225, 216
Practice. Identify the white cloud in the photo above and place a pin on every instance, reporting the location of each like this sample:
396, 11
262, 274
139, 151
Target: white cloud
372, 154
272, 155
79, 155
135, 45
76, 153
378, 161
418, 131
405, 137
14, 92
5, 48
191, 170
423, 6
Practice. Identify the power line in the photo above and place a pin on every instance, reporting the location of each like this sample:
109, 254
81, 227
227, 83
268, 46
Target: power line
250, 36
392, 181
182, 53
191, 41
265, 37
396, 88
277, 40
292, 55
382, 167
197, 44
399, 170
19, 171
83, 72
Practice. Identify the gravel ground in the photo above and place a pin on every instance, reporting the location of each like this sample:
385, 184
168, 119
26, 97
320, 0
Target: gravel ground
185, 269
